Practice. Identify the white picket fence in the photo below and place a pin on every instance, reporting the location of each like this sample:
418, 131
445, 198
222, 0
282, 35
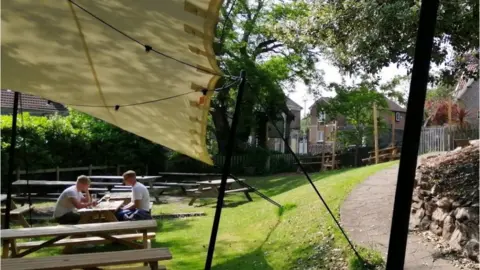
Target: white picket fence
439, 139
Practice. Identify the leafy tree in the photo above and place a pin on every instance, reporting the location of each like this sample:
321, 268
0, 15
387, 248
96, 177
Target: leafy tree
365, 36
247, 41
355, 103
437, 113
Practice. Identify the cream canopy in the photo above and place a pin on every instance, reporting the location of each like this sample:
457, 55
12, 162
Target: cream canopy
57, 50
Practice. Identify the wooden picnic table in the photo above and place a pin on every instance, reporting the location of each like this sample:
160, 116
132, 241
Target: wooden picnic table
389, 153
103, 211
37, 183
126, 197
107, 231
212, 186
119, 177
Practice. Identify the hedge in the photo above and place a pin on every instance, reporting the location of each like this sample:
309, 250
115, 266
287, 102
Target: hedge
73, 141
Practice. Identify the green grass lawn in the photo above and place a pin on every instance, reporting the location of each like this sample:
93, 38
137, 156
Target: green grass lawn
253, 235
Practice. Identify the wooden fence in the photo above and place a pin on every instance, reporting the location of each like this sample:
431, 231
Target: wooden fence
88, 170
439, 139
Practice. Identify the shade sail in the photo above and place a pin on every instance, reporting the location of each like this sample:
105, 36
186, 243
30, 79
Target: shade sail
58, 51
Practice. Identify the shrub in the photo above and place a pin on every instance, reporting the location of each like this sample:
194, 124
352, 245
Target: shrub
73, 141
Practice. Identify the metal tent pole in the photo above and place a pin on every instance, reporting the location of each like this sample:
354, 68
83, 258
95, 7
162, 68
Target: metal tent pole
413, 125
11, 162
225, 172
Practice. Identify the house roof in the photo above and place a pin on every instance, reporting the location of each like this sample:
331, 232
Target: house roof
293, 105
394, 107
30, 102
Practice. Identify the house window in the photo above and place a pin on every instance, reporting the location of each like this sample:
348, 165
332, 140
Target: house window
320, 136
321, 116
398, 117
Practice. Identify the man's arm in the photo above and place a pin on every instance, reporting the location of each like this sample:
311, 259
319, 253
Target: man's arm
129, 206
78, 204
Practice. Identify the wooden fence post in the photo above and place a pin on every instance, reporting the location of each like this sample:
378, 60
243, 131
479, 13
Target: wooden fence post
18, 173
146, 169
90, 170
58, 173
118, 169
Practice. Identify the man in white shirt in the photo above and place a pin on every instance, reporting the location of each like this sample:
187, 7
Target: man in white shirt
139, 207
72, 199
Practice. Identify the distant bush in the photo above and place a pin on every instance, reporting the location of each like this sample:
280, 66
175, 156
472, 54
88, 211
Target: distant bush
75, 140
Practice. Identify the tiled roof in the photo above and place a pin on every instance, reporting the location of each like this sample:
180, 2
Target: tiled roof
30, 102
394, 107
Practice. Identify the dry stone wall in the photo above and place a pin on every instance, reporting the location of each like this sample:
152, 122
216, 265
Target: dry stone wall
446, 196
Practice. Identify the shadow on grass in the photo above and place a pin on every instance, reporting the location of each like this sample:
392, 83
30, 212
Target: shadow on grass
272, 186
252, 260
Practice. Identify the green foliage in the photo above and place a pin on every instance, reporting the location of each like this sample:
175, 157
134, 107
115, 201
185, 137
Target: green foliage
248, 42
355, 103
285, 208
365, 36
75, 140
440, 92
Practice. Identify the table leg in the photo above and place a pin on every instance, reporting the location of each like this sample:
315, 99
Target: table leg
21, 219
13, 247
110, 216
145, 243
6, 246
154, 265
248, 196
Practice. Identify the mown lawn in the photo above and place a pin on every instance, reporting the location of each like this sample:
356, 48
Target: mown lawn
253, 235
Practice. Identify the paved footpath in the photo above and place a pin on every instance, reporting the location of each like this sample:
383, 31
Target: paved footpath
367, 214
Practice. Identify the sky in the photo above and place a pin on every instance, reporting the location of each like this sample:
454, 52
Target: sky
332, 74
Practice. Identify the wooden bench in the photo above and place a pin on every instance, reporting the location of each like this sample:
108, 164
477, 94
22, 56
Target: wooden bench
85, 240
16, 214
244, 190
90, 260
108, 231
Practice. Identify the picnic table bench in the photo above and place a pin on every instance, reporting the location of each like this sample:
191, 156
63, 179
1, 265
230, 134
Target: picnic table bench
91, 260
107, 231
16, 213
188, 177
385, 154
210, 187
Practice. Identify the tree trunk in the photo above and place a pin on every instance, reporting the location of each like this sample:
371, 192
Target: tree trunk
356, 155
222, 128
262, 130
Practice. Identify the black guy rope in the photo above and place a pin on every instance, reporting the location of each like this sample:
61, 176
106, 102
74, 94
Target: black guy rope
147, 47
413, 125
225, 172
297, 160
117, 107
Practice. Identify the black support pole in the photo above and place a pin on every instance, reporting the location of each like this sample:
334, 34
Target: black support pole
413, 125
225, 172
11, 162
